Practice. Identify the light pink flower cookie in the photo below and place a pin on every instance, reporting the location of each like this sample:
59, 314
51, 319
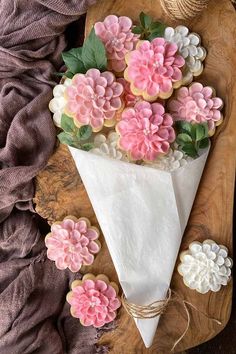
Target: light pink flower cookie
128, 97
72, 243
197, 104
154, 68
93, 99
145, 131
94, 300
116, 34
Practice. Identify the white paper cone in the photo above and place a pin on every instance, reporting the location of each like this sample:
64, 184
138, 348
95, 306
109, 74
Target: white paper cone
142, 213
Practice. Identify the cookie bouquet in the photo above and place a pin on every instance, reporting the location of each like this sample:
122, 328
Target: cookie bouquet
138, 125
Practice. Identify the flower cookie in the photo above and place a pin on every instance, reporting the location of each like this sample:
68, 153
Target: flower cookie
197, 104
93, 99
170, 162
154, 69
58, 103
128, 97
205, 266
72, 243
190, 49
107, 146
94, 300
116, 34
145, 131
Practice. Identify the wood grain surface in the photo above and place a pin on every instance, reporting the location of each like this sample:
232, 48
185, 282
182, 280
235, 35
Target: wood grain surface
59, 190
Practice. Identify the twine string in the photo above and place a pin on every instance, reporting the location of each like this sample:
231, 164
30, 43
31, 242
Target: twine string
152, 310
183, 9
156, 308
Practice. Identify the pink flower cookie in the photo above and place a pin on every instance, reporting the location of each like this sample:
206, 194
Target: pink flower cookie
154, 68
72, 243
145, 131
197, 104
94, 300
128, 97
93, 99
116, 34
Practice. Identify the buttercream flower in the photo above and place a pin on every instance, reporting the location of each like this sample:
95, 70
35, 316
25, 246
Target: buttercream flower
170, 162
145, 131
58, 103
197, 104
205, 266
116, 34
190, 48
154, 68
72, 243
107, 146
93, 99
94, 300
128, 97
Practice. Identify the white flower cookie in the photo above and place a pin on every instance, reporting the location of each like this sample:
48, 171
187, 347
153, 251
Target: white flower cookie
205, 266
57, 104
170, 162
107, 146
190, 48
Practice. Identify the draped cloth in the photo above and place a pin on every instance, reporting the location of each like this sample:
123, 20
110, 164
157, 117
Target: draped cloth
34, 315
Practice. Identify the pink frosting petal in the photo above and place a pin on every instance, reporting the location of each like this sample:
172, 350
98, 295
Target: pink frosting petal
99, 28
125, 23
115, 103
196, 87
118, 65
91, 234
68, 224
100, 285
217, 102
88, 284
93, 247
110, 20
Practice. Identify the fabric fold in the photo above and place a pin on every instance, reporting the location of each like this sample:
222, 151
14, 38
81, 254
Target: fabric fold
34, 316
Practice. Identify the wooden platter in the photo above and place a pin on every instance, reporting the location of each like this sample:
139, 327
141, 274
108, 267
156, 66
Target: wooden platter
59, 190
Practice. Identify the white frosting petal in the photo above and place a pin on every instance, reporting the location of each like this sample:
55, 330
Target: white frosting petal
194, 39
183, 30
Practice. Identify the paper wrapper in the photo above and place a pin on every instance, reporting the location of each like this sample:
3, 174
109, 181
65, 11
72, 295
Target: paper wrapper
142, 213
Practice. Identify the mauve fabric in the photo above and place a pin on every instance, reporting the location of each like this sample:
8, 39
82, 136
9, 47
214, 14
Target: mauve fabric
34, 317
